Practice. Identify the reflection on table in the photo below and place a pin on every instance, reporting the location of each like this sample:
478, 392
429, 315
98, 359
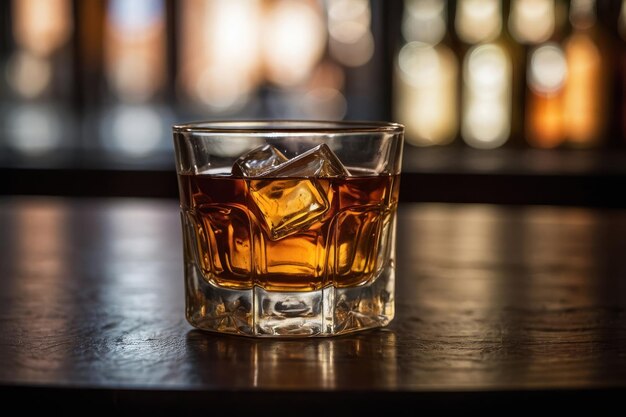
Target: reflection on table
488, 298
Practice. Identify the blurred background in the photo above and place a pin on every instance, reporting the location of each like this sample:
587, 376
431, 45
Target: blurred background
506, 101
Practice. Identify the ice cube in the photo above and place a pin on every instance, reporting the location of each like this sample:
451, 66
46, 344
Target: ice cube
288, 205
258, 161
320, 161
290, 197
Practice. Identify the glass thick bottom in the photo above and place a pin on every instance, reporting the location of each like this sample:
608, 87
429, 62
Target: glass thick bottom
257, 312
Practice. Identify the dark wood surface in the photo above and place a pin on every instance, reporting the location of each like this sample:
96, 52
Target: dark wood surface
495, 306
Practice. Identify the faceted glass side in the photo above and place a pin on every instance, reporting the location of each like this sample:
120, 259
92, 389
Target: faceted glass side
336, 308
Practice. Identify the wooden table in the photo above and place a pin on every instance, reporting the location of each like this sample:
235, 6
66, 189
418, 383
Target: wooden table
515, 307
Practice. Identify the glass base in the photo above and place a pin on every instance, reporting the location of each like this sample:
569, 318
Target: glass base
256, 312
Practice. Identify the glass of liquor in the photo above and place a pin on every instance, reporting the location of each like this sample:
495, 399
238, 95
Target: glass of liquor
289, 226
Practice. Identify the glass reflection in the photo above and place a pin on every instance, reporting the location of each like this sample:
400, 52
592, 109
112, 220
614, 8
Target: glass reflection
489, 297
41, 240
350, 362
39, 259
134, 251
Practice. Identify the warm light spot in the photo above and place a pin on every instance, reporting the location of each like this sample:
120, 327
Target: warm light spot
349, 10
532, 21
42, 26
547, 74
230, 31
43, 248
487, 71
351, 42
486, 124
544, 120
478, 20
28, 74
220, 51
487, 97
324, 99
547, 69
584, 94
293, 41
424, 21
325, 104
327, 75
349, 31
419, 63
426, 93
353, 54
219, 90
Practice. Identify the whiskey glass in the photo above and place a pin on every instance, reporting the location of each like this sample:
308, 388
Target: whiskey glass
288, 226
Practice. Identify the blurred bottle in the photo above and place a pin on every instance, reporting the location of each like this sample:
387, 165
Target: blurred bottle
547, 73
135, 49
492, 84
355, 36
36, 115
546, 70
426, 75
620, 101
135, 121
585, 94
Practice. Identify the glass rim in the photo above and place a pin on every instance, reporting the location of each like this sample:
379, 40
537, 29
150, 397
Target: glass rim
283, 126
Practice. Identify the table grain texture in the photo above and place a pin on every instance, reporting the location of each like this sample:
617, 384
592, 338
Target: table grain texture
513, 308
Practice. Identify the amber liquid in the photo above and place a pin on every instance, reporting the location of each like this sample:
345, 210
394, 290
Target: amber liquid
288, 234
